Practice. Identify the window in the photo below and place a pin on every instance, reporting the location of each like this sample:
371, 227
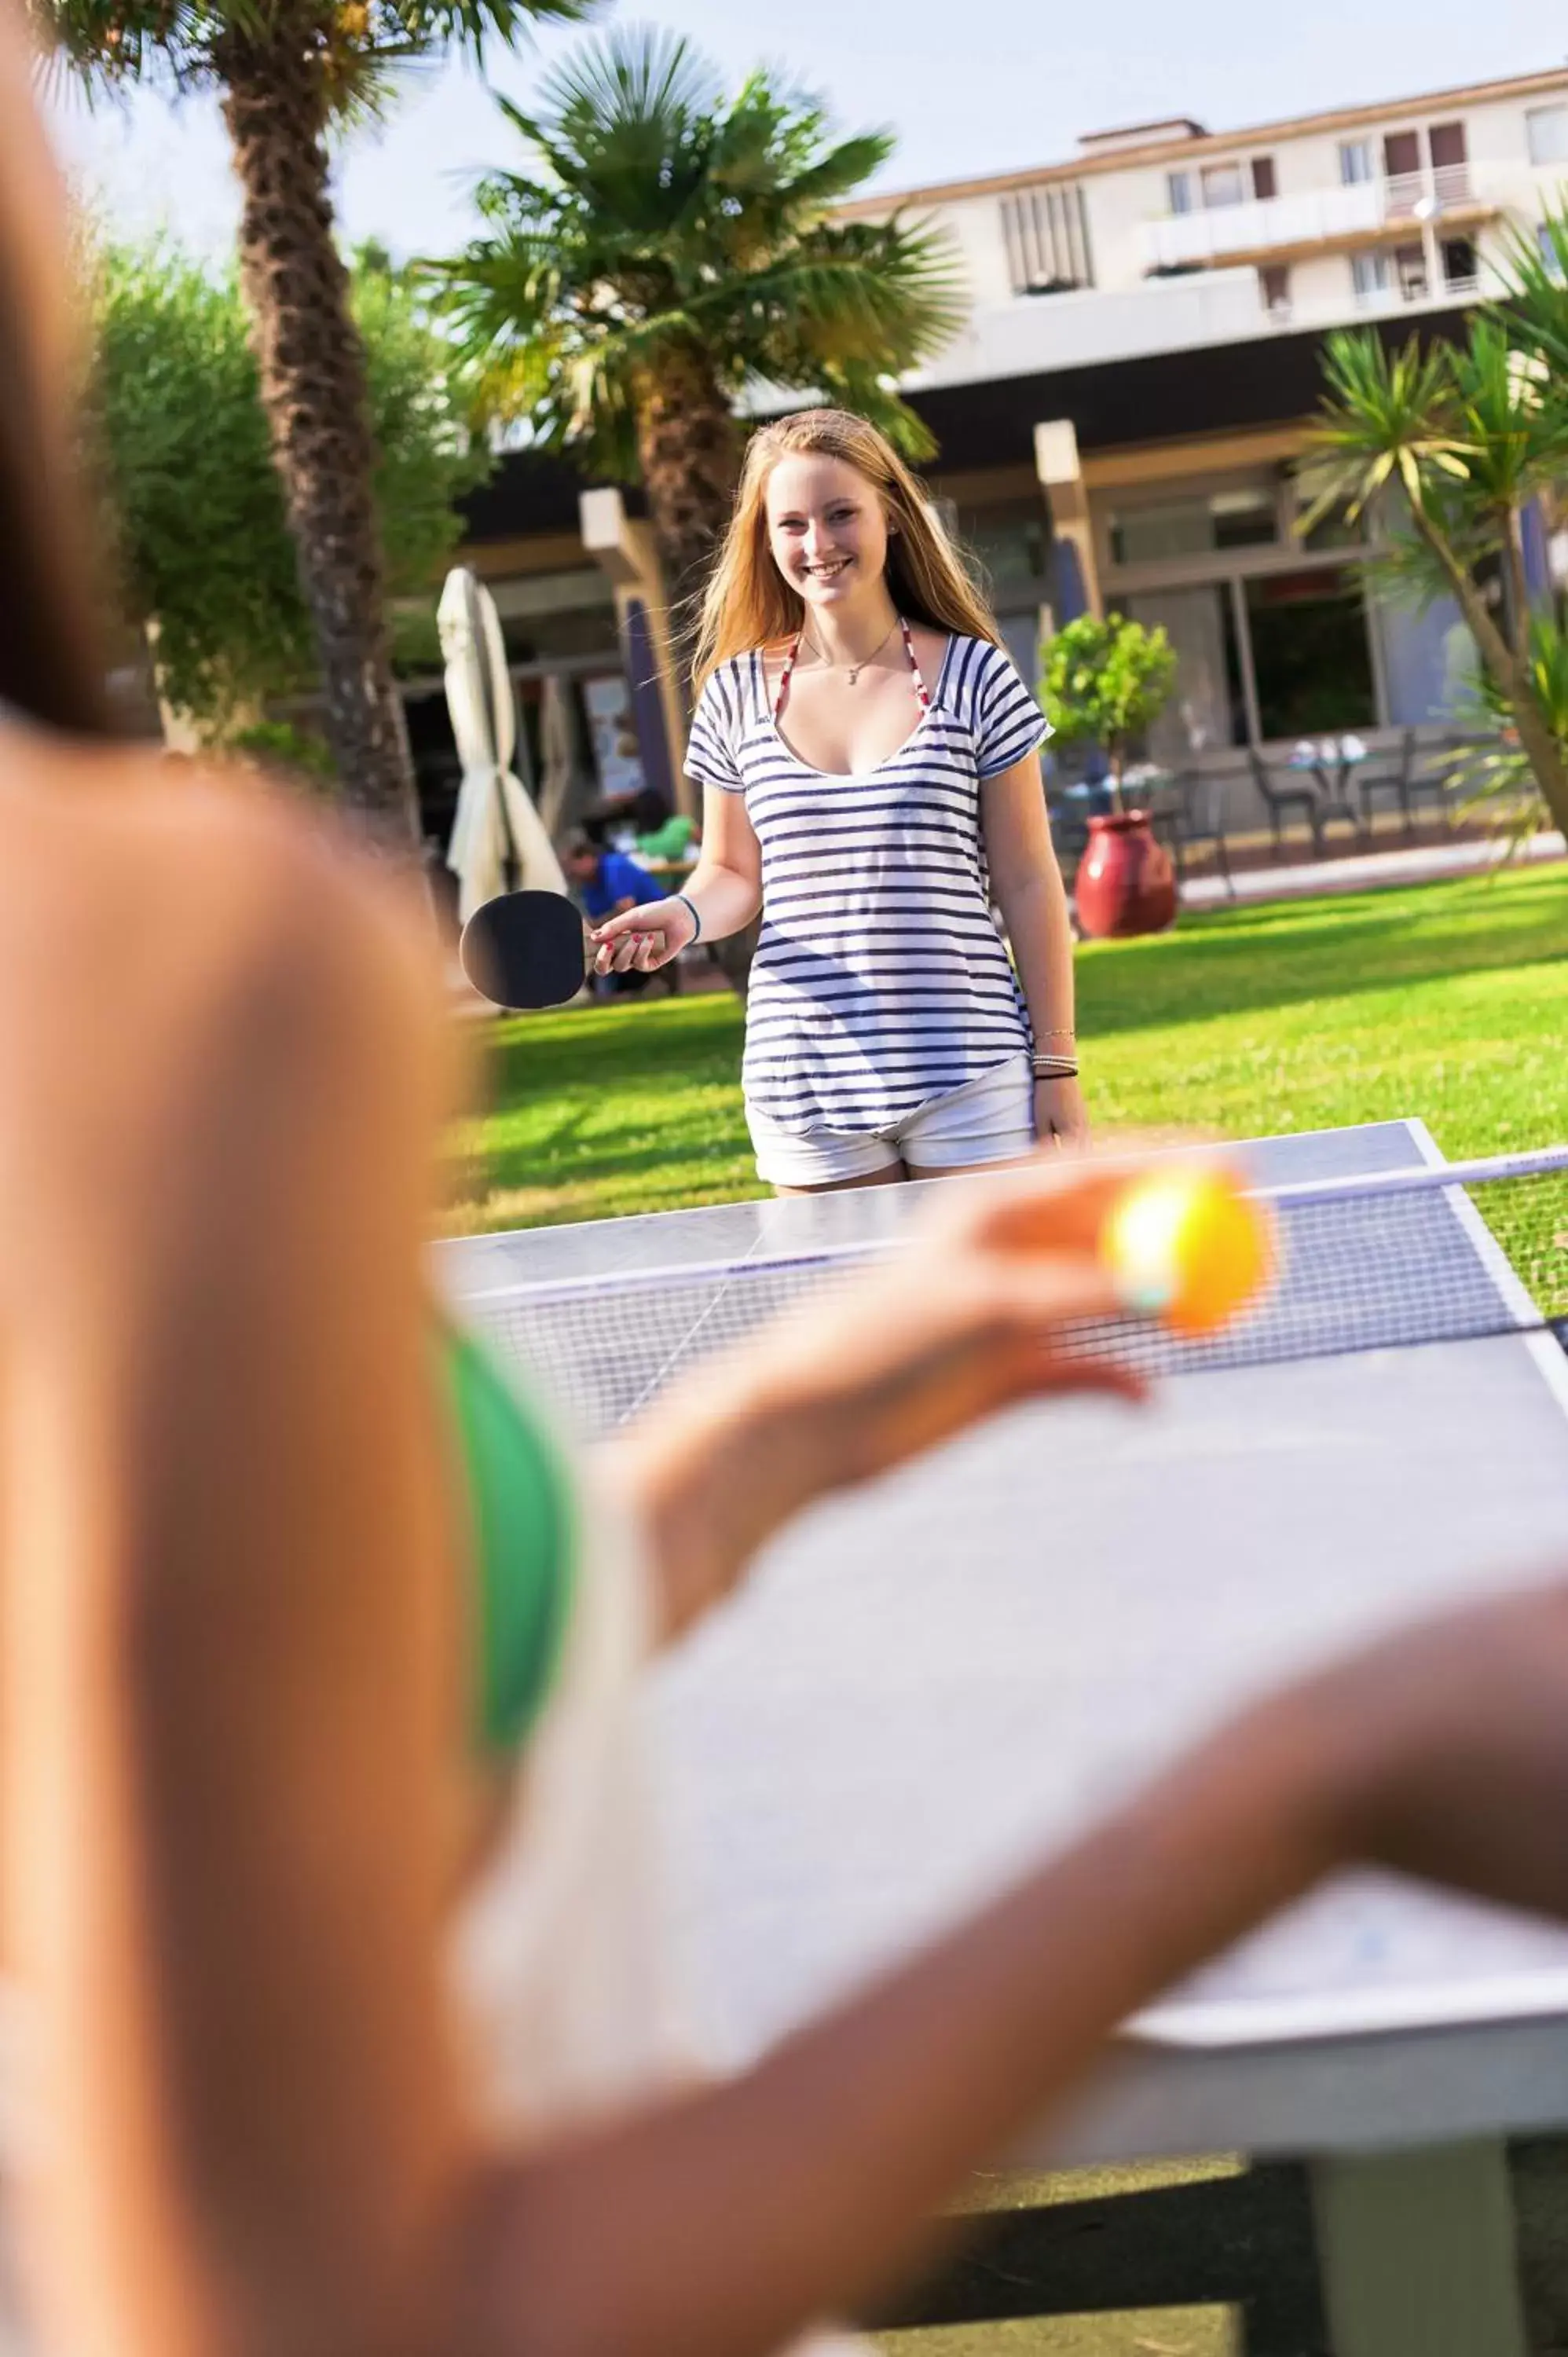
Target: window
1265, 185
1550, 252
1546, 129
1355, 161
1244, 517
1208, 709
1273, 284
1311, 656
1402, 155
1450, 163
1372, 276
1176, 528
1046, 232
1409, 272
1179, 186
1222, 185
1460, 263
1010, 543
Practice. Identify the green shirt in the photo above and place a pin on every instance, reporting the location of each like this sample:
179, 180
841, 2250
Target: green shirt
671, 840
526, 1537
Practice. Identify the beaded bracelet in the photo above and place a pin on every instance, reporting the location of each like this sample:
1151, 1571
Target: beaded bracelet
691, 909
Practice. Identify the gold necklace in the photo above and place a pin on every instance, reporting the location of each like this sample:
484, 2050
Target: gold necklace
855, 669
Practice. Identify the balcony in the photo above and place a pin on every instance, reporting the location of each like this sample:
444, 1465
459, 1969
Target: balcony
1090, 327
1378, 303
1356, 215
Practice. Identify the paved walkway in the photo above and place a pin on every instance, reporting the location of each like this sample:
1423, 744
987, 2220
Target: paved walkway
1367, 871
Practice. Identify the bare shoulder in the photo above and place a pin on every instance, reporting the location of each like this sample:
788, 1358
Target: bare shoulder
930, 649
120, 861
171, 950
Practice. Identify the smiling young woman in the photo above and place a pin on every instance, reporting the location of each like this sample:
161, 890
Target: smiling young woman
870, 764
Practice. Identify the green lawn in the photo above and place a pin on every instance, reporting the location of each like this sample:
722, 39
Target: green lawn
1450, 1001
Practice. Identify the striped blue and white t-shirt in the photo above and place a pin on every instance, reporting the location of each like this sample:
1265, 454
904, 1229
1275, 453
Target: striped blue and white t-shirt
880, 982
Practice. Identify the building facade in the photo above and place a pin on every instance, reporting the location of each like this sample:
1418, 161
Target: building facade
1122, 420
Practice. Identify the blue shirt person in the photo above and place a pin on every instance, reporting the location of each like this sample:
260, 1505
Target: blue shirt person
606, 882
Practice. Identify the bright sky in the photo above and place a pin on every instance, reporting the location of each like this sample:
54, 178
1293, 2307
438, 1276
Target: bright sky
971, 86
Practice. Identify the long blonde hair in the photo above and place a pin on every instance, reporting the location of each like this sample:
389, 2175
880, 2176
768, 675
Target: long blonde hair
748, 603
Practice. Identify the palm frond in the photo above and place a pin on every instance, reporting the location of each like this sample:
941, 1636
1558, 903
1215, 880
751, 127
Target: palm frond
648, 213
1384, 414
1493, 776
1534, 294
887, 302
110, 44
1512, 419
843, 169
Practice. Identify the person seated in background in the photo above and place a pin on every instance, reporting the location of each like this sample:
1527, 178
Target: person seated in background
606, 883
675, 840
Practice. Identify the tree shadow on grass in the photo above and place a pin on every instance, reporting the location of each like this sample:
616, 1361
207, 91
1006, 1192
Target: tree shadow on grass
1242, 961
695, 1040
509, 1168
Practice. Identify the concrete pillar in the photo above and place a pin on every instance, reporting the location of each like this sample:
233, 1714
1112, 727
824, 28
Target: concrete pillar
1061, 480
624, 546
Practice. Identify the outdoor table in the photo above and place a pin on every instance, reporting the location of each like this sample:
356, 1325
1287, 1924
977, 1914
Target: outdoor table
927, 1683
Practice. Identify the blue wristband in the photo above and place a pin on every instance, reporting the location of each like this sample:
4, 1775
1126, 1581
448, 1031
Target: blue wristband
690, 907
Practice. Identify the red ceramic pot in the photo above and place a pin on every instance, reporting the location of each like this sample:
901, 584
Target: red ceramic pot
1125, 880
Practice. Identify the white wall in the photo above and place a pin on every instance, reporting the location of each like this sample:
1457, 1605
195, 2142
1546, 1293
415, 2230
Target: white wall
1130, 227
1032, 333
974, 223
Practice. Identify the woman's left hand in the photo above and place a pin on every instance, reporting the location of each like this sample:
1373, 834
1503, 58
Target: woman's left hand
1060, 1117
864, 1377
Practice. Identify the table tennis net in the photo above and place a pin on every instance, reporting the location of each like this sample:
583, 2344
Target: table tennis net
1386, 1263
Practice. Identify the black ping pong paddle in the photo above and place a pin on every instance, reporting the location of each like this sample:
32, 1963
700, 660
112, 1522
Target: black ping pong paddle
525, 949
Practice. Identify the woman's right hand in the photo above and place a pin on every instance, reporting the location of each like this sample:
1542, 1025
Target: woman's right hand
640, 941
868, 1376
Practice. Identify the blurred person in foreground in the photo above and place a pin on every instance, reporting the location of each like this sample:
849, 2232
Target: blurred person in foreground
315, 1647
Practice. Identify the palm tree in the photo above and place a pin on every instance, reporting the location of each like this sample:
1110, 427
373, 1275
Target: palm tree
1452, 444
670, 249
283, 71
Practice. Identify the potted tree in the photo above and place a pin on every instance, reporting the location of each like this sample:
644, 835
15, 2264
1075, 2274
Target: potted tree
1105, 680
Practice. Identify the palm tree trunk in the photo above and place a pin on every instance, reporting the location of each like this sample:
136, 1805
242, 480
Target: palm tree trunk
1510, 668
689, 449
314, 390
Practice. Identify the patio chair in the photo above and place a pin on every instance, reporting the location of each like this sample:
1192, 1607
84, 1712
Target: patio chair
1183, 815
1318, 804
1279, 800
1198, 826
1393, 781
1333, 803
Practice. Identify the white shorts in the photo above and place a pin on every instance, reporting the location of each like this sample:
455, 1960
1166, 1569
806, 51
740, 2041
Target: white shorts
988, 1120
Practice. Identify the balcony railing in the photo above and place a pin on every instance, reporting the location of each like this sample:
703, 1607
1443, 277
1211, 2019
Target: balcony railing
1319, 216
1373, 302
1395, 299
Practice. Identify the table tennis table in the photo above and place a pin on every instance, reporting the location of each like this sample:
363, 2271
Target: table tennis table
928, 1683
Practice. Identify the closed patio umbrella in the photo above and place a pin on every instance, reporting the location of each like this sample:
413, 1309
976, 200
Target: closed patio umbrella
498, 841
564, 780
